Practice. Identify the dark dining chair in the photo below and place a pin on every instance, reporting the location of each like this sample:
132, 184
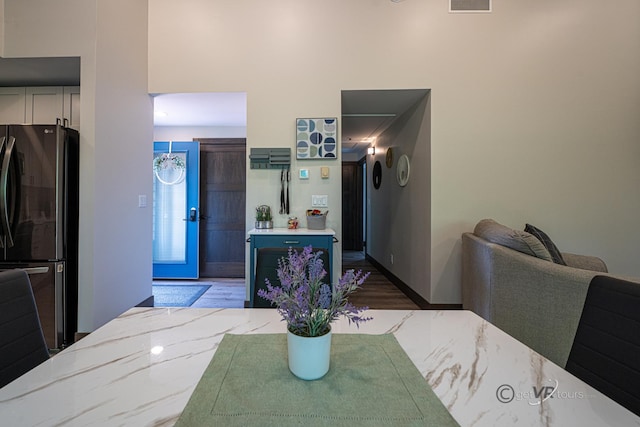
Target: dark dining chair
267, 268
606, 350
22, 344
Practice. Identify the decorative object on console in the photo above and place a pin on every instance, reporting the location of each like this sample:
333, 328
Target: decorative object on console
292, 224
309, 305
263, 217
316, 219
317, 138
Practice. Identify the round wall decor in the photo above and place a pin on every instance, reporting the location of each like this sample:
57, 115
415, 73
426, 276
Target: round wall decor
377, 174
402, 170
389, 157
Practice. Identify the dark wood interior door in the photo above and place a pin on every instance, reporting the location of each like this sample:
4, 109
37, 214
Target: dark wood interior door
222, 207
352, 210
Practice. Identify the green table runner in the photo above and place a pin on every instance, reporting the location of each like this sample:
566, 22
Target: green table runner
371, 382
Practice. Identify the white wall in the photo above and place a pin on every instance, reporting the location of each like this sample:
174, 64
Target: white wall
534, 106
115, 142
1, 28
399, 218
124, 153
233, 46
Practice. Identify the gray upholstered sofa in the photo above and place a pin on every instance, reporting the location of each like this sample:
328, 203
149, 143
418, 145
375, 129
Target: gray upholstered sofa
523, 291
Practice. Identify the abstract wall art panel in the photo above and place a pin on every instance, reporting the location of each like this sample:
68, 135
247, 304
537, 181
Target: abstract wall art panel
317, 138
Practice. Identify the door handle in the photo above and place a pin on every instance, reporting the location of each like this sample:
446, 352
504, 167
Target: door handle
4, 186
193, 215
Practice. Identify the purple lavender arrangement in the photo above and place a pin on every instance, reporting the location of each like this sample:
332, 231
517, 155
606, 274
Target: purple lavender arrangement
306, 303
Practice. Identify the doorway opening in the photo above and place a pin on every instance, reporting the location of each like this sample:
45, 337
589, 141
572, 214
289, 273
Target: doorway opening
217, 123
379, 127
370, 119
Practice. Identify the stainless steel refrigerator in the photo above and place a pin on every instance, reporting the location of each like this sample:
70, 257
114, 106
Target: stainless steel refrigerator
39, 220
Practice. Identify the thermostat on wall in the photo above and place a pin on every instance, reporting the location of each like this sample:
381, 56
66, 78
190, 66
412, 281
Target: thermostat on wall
304, 173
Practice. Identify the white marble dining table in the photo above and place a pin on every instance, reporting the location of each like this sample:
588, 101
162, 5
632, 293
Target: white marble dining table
141, 368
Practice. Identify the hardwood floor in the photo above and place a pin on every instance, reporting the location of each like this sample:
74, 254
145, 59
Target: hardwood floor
377, 292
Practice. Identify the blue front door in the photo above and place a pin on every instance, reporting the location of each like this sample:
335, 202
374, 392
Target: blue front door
175, 210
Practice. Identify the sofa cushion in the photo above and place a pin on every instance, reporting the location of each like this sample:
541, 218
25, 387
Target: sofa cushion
556, 256
520, 241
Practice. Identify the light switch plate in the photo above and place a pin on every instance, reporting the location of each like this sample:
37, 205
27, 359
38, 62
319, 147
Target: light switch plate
324, 172
319, 201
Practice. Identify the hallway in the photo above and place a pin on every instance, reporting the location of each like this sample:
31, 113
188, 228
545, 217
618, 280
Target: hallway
377, 292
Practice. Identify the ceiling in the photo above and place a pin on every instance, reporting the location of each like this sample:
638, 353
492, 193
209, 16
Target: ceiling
368, 113
201, 109
365, 113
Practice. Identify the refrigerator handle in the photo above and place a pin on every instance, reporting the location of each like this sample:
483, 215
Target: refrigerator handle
3, 191
4, 183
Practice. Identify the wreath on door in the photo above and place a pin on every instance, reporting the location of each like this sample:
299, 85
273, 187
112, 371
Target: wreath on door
170, 166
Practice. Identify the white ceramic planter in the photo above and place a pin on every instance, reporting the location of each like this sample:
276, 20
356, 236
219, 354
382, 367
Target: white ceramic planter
309, 357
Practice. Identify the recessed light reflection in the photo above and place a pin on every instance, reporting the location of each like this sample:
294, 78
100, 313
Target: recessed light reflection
157, 350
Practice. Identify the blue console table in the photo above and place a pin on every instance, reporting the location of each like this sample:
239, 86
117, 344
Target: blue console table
285, 238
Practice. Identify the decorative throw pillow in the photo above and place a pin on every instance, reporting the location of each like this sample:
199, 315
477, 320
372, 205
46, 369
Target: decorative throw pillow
547, 242
520, 241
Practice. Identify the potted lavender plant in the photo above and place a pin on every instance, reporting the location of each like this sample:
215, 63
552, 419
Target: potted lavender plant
309, 305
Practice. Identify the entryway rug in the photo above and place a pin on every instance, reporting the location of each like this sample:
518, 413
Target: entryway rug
177, 295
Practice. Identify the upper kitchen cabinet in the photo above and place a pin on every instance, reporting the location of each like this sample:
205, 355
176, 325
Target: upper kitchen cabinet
40, 105
44, 105
12, 104
71, 105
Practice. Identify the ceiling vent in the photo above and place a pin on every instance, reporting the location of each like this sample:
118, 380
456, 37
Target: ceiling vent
469, 5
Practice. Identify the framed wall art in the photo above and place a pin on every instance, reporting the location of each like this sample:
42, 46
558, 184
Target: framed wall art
317, 139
